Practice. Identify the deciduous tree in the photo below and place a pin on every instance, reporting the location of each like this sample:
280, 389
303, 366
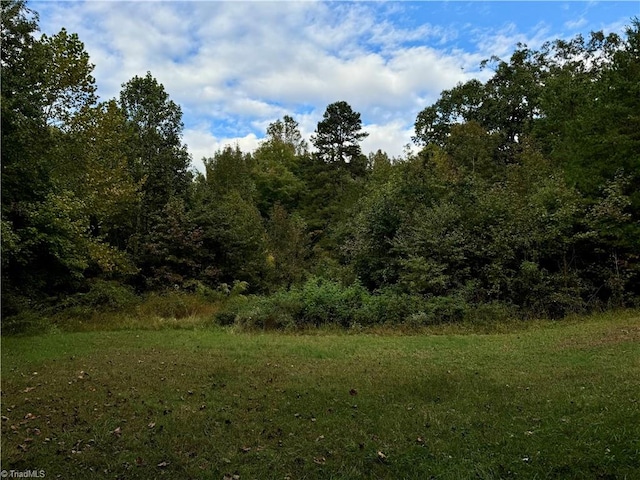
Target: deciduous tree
157, 154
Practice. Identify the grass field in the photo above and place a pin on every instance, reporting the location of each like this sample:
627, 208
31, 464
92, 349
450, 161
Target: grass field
555, 400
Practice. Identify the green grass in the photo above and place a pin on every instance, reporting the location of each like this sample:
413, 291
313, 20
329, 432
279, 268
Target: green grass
556, 400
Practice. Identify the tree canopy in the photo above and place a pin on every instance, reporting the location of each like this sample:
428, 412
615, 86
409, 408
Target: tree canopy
524, 192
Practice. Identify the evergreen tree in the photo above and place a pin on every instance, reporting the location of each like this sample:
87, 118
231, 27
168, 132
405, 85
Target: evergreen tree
338, 135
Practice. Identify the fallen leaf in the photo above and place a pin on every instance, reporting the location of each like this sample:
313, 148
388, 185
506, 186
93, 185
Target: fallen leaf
28, 389
151, 425
381, 456
117, 432
245, 449
163, 464
319, 460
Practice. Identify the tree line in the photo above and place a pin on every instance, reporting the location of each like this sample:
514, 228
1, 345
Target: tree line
524, 193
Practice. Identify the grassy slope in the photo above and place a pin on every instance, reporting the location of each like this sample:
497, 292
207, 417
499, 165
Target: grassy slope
556, 401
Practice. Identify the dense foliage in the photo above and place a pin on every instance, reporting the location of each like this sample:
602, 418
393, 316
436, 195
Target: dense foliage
523, 198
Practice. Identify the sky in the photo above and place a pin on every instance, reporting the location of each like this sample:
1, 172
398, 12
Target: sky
234, 67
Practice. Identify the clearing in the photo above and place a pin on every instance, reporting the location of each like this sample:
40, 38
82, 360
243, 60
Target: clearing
556, 400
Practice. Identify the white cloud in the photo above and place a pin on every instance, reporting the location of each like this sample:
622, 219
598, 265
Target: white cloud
203, 144
575, 24
501, 42
390, 138
234, 67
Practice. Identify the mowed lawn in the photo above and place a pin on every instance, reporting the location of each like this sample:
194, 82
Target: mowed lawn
555, 400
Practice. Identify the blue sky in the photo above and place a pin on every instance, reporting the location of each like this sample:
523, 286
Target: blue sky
234, 67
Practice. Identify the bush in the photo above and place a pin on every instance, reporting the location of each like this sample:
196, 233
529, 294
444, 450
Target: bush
446, 309
225, 317
284, 309
26, 322
278, 311
317, 302
490, 313
388, 307
175, 305
108, 295
101, 296
439, 310
418, 319
325, 302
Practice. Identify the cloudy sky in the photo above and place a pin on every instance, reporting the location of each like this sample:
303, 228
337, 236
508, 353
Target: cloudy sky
234, 67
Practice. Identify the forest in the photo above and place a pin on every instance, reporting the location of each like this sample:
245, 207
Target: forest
522, 198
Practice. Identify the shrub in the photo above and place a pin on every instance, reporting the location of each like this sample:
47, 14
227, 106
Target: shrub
175, 305
490, 313
108, 295
418, 319
325, 301
26, 322
388, 307
317, 302
225, 317
439, 310
277, 311
445, 310
101, 296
